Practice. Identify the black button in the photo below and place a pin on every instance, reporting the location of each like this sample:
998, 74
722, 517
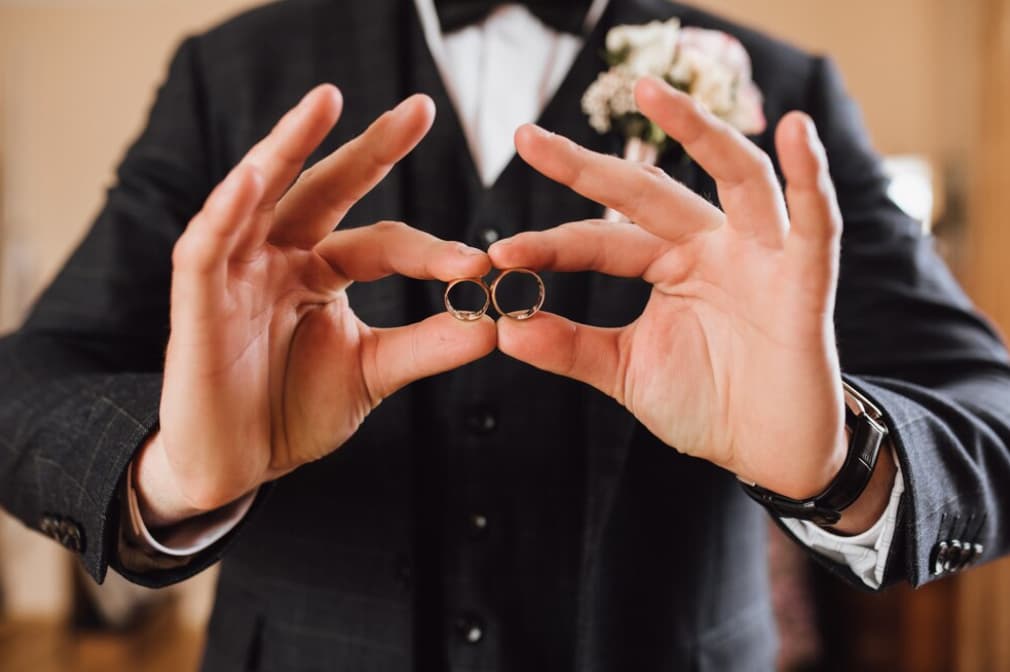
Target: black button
470, 629
953, 557
48, 526
66, 532
477, 524
966, 556
487, 237
481, 420
940, 558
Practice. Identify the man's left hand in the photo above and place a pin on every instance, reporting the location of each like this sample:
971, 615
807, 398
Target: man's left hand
733, 359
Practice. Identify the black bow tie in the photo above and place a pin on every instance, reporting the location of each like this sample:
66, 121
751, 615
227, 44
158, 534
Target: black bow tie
562, 15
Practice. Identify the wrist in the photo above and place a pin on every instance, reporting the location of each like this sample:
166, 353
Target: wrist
869, 507
159, 498
849, 493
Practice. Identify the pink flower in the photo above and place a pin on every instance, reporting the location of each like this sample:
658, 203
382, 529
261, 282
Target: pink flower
716, 69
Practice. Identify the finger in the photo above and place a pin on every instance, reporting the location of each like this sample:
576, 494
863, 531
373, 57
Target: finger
281, 154
200, 257
810, 193
324, 193
555, 344
748, 188
399, 356
643, 193
372, 252
615, 248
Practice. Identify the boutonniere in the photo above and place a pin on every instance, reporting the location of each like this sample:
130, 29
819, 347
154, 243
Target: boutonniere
708, 65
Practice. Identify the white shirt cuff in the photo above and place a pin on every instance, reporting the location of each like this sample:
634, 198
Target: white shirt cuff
189, 537
865, 554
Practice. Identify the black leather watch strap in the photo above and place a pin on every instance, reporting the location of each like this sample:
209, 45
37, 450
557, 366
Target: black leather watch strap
868, 432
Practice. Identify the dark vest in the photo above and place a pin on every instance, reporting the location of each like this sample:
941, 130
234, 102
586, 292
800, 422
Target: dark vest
484, 518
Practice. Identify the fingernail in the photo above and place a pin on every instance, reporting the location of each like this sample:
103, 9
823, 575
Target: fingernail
810, 130
468, 251
410, 100
498, 245
312, 92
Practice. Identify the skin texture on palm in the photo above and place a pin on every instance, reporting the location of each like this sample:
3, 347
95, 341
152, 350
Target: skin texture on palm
268, 367
733, 359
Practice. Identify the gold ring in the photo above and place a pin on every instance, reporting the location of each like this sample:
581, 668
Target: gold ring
467, 315
525, 313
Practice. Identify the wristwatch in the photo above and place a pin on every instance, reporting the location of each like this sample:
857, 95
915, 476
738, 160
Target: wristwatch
867, 430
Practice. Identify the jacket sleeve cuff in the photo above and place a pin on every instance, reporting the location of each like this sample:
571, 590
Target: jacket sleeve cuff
864, 554
142, 549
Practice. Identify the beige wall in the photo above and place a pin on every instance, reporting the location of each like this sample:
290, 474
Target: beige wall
75, 81
909, 63
76, 78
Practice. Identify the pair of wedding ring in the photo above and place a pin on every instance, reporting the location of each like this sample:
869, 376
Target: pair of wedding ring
491, 297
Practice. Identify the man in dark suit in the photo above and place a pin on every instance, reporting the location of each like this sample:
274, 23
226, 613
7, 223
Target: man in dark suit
489, 514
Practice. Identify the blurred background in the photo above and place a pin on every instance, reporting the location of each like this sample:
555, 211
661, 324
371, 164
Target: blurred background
933, 79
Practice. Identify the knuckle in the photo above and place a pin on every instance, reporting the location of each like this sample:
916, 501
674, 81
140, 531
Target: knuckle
654, 172
589, 227
308, 175
182, 252
389, 227
835, 223
188, 253
762, 166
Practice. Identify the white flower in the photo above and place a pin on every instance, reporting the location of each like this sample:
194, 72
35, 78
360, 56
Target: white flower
711, 66
705, 79
611, 96
714, 68
748, 116
648, 49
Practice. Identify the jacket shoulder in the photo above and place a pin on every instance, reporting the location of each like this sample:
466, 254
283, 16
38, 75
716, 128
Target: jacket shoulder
272, 21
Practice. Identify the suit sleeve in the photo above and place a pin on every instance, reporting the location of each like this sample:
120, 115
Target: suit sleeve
911, 341
80, 382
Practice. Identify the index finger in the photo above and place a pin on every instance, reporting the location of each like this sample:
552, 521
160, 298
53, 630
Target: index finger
279, 156
372, 252
643, 193
325, 192
748, 188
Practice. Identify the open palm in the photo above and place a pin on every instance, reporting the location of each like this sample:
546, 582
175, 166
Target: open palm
733, 359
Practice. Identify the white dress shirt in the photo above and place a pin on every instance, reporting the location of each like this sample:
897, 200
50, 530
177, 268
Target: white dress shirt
500, 74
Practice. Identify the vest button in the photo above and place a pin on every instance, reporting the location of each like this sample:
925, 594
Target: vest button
478, 523
481, 420
486, 237
470, 629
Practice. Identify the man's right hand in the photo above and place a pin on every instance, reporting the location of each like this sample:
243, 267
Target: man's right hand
268, 368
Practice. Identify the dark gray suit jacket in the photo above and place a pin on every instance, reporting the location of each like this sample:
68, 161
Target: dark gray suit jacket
672, 573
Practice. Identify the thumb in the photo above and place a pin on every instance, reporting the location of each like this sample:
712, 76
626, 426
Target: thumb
552, 343
397, 356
